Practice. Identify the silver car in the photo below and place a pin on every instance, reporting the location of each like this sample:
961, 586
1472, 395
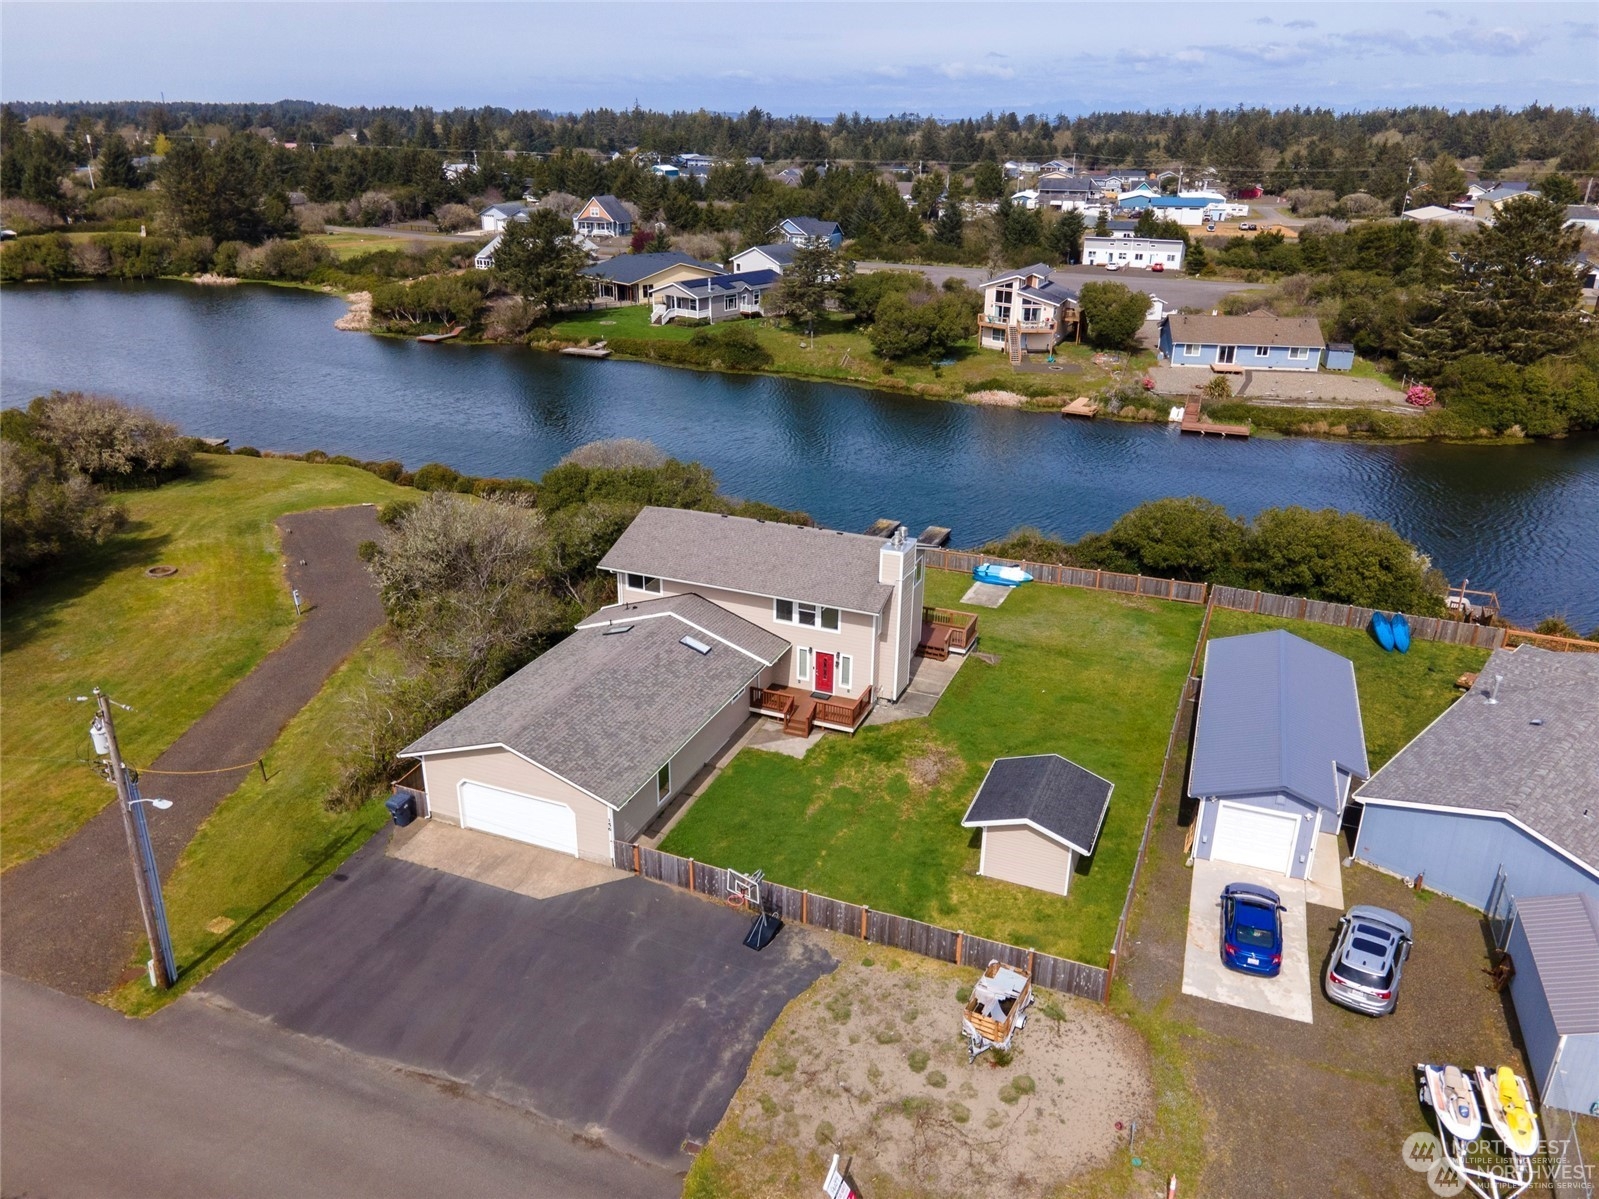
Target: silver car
1367, 960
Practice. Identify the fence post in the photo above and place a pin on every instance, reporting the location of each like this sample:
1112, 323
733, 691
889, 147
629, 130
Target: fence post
805, 907
864, 911
960, 938
691, 874
636, 868
1257, 602
1098, 571
1030, 956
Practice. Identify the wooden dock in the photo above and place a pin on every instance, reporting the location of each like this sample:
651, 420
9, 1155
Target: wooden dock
882, 528
1081, 406
934, 536
430, 338
598, 350
1195, 422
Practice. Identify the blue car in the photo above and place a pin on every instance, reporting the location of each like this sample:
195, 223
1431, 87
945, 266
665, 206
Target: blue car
1251, 929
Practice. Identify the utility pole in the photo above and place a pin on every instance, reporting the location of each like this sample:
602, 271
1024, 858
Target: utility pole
163, 969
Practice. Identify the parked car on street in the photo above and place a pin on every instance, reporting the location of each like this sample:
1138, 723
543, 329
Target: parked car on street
1157, 266
1113, 266
1368, 959
1251, 929
1248, 226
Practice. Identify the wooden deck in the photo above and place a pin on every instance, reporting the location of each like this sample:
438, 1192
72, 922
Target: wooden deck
946, 632
598, 350
1195, 422
934, 535
431, 338
801, 712
1081, 406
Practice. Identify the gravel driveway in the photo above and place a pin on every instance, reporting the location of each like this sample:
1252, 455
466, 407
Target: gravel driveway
1301, 389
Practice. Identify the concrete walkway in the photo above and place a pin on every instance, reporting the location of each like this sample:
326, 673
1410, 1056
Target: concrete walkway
70, 919
499, 862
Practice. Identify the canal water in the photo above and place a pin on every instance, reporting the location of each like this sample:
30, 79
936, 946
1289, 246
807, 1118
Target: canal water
265, 367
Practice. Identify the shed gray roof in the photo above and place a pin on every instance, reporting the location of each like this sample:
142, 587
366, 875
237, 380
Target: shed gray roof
1056, 796
1492, 758
820, 566
1276, 713
1251, 330
604, 711
632, 268
1563, 934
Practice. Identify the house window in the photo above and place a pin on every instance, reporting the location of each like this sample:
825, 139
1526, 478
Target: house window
731, 303
802, 670
1262, 351
845, 672
1032, 315
921, 571
1138, 258
1190, 350
663, 783
1299, 353
644, 583
811, 616
1171, 258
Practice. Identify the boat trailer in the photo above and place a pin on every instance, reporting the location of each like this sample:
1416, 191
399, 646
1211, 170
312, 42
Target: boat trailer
1489, 1180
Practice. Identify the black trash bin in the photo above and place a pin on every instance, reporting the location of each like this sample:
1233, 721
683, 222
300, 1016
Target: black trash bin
402, 806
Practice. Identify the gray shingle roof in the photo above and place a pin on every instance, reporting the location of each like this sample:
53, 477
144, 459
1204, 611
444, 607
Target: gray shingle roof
604, 711
820, 566
1563, 933
811, 226
1276, 713
695, 610
781, 252
1493, 758
1252, 330
506, 208
632, 268
1045, 790
614, 208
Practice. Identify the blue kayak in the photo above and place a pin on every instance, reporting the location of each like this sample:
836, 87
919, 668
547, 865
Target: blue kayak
1005, 576
1401, 628
1382, 629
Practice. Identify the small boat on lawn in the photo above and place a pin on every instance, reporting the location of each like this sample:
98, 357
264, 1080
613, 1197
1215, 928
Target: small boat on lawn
1005, 576
1401, 631
1509, 1107
1449, 1092
1383, 629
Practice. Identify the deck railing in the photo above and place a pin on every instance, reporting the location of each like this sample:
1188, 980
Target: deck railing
778, 703
962, 625
844, 712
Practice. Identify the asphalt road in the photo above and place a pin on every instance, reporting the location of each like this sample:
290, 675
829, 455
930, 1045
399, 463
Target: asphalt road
70, 918
1178, 291
197, 1101
628, 1011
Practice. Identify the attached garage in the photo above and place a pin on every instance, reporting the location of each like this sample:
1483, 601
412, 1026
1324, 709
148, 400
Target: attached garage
1278, 743
521, 817
1249, 836
1040, 815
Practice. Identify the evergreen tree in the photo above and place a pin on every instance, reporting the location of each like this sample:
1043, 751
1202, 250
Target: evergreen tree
538, 260
116, 162
951, 227
213, 193
818, 277
1512, 296
1102, 225
1065, 237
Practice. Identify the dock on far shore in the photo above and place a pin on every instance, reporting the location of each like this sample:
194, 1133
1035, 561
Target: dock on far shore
598, 350
1195, 422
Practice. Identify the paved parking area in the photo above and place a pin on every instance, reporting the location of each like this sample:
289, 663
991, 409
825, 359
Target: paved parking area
626, 1011
1287, 995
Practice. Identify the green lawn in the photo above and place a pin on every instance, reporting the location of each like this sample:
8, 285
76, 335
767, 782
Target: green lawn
169, 647
876, 819
266, 845
1400, 694
840, 351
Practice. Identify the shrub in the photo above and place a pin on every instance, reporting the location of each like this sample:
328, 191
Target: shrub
452, 218
918, 1060
435, 476
1218, 389
46, 510
106, 440
388, 470
1112, 314
294, 261
248, 451
440, 299
617, 453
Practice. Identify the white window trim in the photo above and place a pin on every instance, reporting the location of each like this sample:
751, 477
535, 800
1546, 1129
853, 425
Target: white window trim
844, 672
817, 609
643, 583
1299, 353
1190, 350
1262, 351
802, 667
662, 792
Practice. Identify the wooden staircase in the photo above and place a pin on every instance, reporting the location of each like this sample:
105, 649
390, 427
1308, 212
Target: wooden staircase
1013, 345
799, 720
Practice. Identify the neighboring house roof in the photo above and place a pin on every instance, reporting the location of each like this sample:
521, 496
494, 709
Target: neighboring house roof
758, 557
1121, 226
1072, 184
1276, 714
781, 252
634, 268
1563, 934
486, 254
1045, 792
603, 710
808, 226
1047, 289
615, 210
1251, 330
1169, 202
1582, 212
506, 209
1531, 755
1433, 212
722, 285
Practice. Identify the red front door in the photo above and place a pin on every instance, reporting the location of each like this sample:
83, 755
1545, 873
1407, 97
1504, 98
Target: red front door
824, 673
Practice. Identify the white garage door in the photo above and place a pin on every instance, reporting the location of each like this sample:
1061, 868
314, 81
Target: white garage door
520, 817
1252, 837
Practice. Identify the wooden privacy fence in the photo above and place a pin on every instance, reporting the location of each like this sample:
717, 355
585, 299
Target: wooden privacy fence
1240, 599
878, 928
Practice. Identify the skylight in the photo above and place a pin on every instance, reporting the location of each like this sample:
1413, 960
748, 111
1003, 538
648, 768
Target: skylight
699, 647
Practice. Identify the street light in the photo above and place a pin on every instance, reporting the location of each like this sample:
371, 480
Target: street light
159, 804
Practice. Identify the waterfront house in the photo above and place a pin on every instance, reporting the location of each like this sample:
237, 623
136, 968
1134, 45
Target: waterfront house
1278, 743
776, 257
603, 216
718, 298
497, 216
633, 278
1026, 311
809, 231
1258, 342
717, 618
1138, 253
1504, 784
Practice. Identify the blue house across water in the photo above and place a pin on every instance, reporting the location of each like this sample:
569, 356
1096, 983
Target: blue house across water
1237, 343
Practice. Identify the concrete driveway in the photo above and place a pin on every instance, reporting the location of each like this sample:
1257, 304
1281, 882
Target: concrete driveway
627, 1011
1287, 995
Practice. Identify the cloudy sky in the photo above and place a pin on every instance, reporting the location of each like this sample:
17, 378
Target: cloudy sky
818, 58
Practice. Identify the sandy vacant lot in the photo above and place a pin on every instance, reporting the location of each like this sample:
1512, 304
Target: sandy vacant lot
869, 1064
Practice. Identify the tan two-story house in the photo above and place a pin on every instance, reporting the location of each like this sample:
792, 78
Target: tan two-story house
717, 618
1026, 312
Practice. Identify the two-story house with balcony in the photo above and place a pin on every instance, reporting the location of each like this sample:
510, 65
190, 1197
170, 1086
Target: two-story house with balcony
1026, 312
717, 619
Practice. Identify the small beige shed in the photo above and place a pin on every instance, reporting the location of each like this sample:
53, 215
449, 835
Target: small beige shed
1039, 815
